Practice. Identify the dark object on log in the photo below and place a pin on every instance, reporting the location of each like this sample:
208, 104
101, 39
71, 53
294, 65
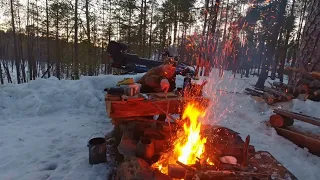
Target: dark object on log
298, 116
97, 150
277, 120
300, 139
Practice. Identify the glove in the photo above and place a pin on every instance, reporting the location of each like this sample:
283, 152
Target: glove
165, 85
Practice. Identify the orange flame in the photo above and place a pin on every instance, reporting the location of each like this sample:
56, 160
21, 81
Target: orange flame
189, 144
194, 146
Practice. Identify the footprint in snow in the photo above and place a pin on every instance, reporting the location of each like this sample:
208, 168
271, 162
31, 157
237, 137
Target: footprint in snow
50, 167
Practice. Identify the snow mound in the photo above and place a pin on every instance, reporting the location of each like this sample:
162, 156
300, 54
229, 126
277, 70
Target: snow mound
44, 96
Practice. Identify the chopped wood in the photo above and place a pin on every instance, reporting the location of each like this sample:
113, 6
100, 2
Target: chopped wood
277, 120
298, 116
289, 70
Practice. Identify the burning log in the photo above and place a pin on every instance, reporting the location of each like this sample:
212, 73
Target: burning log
185, 166
277, 120
176, 171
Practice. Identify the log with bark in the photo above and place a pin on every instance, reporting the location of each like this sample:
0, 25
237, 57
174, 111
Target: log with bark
301, 139
277, 120
298, 116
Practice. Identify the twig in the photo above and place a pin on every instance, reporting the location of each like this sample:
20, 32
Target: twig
245, 151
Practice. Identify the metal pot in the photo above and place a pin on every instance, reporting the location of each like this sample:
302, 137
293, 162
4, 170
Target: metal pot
145, 148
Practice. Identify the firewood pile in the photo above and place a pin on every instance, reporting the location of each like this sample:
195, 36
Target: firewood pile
307, 86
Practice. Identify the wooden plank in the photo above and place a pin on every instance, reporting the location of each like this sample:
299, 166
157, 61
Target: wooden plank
142, 108
298, 116
120, 109
301, 140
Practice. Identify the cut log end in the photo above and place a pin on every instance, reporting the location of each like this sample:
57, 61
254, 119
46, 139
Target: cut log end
277, 120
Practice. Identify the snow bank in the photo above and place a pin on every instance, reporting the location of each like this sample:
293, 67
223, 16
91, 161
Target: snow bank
45, 125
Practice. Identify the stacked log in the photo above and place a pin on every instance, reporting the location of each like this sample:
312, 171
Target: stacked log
308, 83
282, 122
306, 87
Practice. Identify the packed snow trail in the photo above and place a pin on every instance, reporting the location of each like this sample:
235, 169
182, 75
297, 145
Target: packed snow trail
45, 125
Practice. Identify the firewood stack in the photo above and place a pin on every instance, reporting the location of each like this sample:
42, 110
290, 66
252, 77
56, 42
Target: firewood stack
307, 83
305, 87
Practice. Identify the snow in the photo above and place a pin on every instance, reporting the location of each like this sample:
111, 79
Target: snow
45, 125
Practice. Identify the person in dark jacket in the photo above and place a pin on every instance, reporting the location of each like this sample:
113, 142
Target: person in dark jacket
160, 79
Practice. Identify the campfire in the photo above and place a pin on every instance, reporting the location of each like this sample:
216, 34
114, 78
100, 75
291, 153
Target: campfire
189, 144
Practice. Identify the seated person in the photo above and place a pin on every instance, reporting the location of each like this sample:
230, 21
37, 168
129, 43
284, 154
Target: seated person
160, 79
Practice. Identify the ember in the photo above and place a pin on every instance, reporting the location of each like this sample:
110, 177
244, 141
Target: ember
189, 145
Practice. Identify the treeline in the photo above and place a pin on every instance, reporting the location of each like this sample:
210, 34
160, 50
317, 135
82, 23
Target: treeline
68, 38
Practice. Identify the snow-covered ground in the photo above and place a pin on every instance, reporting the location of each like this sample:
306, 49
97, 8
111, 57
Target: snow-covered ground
45, 125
